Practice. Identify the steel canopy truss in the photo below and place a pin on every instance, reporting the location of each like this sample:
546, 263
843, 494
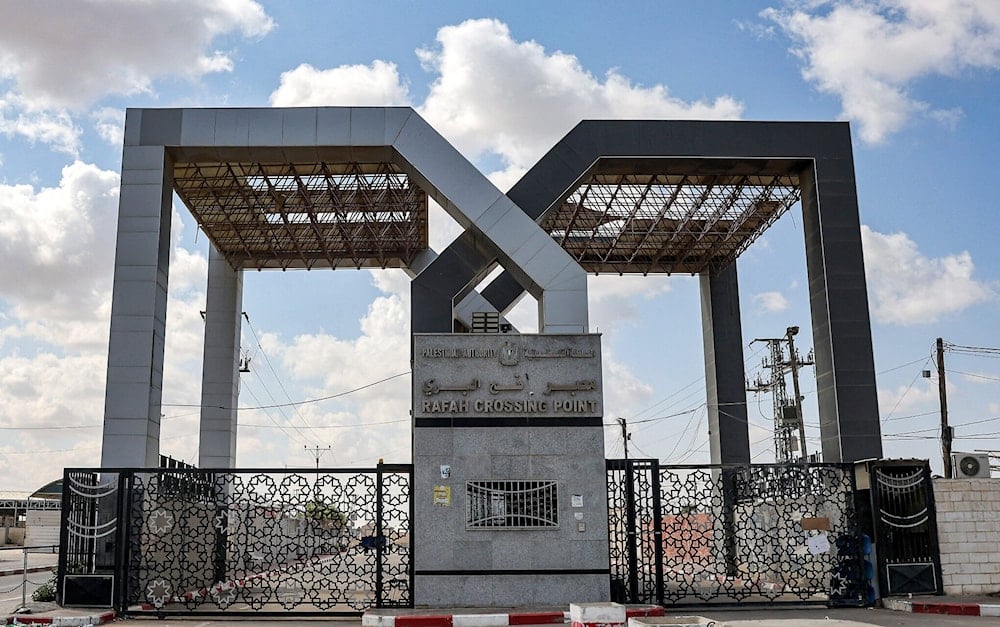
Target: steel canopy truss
665, 220
306, 215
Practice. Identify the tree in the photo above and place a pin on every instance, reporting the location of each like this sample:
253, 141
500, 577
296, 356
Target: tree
328, 515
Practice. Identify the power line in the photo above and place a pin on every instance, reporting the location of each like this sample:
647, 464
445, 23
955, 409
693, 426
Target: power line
79, 448
366, 424
965, 424
281, 410
905, 392
690, 445
274, 372
909, 363
64, 427
305, 402
981, 351
975, 376
926, 413
318, 451
657, 418
250, 391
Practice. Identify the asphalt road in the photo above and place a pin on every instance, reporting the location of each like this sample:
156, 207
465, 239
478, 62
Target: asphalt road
861, 615
792, 617
10, 590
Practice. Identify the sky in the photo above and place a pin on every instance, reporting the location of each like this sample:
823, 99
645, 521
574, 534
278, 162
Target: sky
328, 350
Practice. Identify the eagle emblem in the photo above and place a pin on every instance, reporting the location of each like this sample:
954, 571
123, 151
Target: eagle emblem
508, 354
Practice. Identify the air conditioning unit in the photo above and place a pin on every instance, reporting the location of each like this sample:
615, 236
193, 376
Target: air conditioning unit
969, 465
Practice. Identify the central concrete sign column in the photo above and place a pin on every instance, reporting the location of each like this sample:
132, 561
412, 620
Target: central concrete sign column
510, 495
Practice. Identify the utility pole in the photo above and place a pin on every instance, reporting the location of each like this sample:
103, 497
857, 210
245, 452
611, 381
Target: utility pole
947, 433
317, 452
794, 363
625, 436
787, 412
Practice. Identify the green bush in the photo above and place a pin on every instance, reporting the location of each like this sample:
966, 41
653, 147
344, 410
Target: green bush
46, 591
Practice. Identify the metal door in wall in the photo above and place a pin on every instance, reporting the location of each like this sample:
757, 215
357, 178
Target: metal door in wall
909, 560
733, 534
258, 542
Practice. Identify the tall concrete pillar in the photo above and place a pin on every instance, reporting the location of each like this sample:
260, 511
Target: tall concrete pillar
838, 295
138, 307
220, 375
725, 386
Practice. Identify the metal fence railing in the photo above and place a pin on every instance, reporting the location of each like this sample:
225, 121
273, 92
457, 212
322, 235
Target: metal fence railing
26, 569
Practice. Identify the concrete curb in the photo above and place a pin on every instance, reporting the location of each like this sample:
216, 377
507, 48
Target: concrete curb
61, 621
957, 609
21, 571
516, 617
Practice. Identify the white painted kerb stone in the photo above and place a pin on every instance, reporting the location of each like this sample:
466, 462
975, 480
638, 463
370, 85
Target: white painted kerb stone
597, 614
672, 621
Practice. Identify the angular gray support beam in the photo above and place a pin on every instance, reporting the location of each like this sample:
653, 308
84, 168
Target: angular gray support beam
306, 134
399, 134
134, 389
220, 376
473, 303
845, 365
725, 383
499, 229
838, 295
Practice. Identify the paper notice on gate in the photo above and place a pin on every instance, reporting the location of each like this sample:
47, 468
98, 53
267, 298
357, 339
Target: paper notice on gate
818, 544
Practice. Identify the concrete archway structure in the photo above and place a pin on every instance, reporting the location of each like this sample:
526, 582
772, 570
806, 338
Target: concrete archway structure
819, 156
256, 161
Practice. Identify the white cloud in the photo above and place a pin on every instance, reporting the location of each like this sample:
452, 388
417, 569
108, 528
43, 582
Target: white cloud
869, 53
68, 53
58, 57
61, 390
109, 122
613, 301
58, 244
377, 84
770, 302
514, 98
55, 128
363, 425
494, 94
979, 378
906, 287
904, 399
61, 241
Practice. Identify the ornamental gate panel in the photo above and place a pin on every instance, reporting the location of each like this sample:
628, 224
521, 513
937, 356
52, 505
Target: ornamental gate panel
733, 534
241, 542
909, 560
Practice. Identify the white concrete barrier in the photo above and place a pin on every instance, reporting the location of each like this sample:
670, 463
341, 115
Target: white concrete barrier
597, 615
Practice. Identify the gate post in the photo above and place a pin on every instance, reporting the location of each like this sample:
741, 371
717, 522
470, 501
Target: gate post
379, 535
657, 528
728, 475
121, 541
63, 536
630, 533
221, 532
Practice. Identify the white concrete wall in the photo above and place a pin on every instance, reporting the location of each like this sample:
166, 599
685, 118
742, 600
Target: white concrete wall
42, 527
968, 521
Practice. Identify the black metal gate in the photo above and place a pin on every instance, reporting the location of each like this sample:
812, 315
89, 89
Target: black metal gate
269, 541
908, 556
733, 534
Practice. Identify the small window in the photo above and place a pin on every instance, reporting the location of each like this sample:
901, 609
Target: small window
511, 505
